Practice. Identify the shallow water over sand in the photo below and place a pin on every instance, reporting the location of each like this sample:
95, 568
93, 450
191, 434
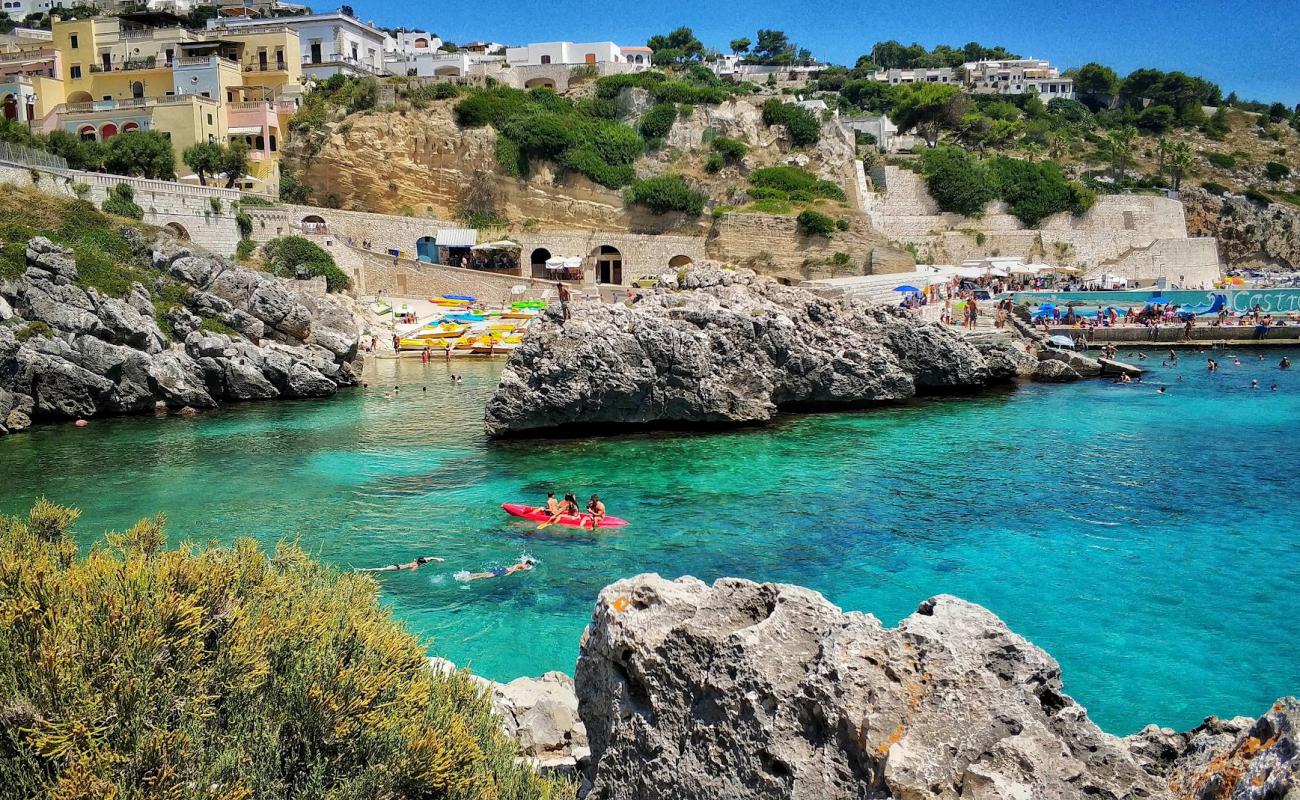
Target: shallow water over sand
1149, 542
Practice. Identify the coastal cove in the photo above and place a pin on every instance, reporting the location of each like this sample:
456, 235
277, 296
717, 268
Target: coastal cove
1147, 542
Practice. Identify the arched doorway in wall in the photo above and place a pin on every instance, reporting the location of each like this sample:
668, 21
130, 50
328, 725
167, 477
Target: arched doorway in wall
86, 133
609, 264
11, 107
314, 224
677, 262
447, 72
426, 249
107, 131
537, 261
137, 89
178, 230
539, 83
130, 126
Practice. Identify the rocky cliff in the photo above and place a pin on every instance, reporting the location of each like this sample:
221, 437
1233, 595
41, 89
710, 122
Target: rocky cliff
68, 352
1248, 234
732, 347
745, 690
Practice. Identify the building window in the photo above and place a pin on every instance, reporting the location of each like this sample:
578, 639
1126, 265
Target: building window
72, 41
273, 143
546, 59
354, 52
209, 119
75, 72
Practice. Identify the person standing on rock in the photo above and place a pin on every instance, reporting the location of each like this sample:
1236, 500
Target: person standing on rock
562, 292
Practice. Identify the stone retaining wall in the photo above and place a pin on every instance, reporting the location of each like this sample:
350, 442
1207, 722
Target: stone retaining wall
186, 210
1173, 334
772, 245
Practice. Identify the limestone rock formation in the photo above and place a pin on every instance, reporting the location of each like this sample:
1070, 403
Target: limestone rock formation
1236, 759
1247, 233
730, 347
746, 690
70, 353
541, 714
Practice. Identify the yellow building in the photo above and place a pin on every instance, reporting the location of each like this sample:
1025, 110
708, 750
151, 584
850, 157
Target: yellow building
142, 71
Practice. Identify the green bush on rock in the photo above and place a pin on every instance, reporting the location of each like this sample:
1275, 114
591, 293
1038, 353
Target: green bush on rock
814, 223
121, 201
666, 193
801, 124
132, 670
291, 256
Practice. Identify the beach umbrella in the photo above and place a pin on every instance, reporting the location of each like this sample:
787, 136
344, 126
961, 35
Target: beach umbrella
1061, 341
906, 289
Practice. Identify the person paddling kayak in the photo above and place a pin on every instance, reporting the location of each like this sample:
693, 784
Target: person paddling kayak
412, 565
569, 507
597, 511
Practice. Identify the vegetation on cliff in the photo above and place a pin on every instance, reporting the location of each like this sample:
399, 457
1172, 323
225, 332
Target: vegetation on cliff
135, 671
962, 184
292, 256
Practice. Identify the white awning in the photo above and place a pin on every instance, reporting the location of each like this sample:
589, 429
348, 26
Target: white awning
457, 237
244, 130
504, 244
564, 262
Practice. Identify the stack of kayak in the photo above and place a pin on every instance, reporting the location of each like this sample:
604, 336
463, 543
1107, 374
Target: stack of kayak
466, 328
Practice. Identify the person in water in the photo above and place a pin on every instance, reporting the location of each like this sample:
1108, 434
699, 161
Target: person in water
411, 565
1285, 363
525, 563
597, 511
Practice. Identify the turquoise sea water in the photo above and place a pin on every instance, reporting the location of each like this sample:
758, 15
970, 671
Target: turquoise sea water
1150, 542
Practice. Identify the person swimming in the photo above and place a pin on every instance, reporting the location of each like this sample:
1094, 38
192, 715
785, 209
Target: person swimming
1161, 390
411, 565
524, 564
1285, 363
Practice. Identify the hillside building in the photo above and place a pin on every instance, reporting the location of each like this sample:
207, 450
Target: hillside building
331, 44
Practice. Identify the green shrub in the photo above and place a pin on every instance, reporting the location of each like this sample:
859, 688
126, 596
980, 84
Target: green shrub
788, 178
244, 672
665, 193
801, 124
251, 200
1256, 196
244, 223
957, 182
1220, 160
728, 149
215, 204
1034, 191
657, 121
291, 256
33, 329
541, 135
1276, 171
841, 224
121, 201
617, 144
80, 189
245, 249
814, 223
714, 163
588, 162
213, 325
1214, 188
509, 157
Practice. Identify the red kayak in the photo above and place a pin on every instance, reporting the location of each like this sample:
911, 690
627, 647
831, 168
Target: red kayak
537, 514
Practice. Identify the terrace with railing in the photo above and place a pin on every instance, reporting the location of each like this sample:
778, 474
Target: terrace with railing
131, 103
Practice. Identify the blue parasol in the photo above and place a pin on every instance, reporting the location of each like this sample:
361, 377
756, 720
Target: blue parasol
906, 289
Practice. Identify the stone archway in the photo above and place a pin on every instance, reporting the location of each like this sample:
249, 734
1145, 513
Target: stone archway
315, 224
609, 264
447, 72
80, 97
107, 131
539, 83
537, 262
87, 133
178, 230
11, 107
679, 261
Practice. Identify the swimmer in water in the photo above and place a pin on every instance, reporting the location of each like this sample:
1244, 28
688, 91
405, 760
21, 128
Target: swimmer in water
1285, 363
1161, 390
525, 563
411, 565
1273, 388
1254, 384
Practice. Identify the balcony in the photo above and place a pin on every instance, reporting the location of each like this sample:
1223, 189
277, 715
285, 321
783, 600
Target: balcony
131, 104
277, 66
133, 65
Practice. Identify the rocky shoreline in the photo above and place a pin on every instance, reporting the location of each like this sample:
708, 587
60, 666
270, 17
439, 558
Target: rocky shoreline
728, 347
747, 690
72, 353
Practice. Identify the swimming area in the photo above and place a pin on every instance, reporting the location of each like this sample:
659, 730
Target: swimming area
1149, 542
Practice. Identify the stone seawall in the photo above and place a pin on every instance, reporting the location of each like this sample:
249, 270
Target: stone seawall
1111, 236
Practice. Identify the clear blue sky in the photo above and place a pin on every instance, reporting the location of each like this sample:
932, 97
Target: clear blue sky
1251, 46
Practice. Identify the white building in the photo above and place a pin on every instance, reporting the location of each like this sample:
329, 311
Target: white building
534, 55
332, 43
439, 64
1017, 77
899, 77
411, 43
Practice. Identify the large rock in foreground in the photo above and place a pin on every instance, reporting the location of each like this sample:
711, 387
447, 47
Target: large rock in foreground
742, 690
729, 347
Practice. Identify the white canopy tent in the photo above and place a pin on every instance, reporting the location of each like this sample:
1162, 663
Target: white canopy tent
563, 262
503, 244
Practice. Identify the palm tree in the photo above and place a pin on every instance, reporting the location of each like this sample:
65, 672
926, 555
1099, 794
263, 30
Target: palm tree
1163, 148
1180, 162
1118, 149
